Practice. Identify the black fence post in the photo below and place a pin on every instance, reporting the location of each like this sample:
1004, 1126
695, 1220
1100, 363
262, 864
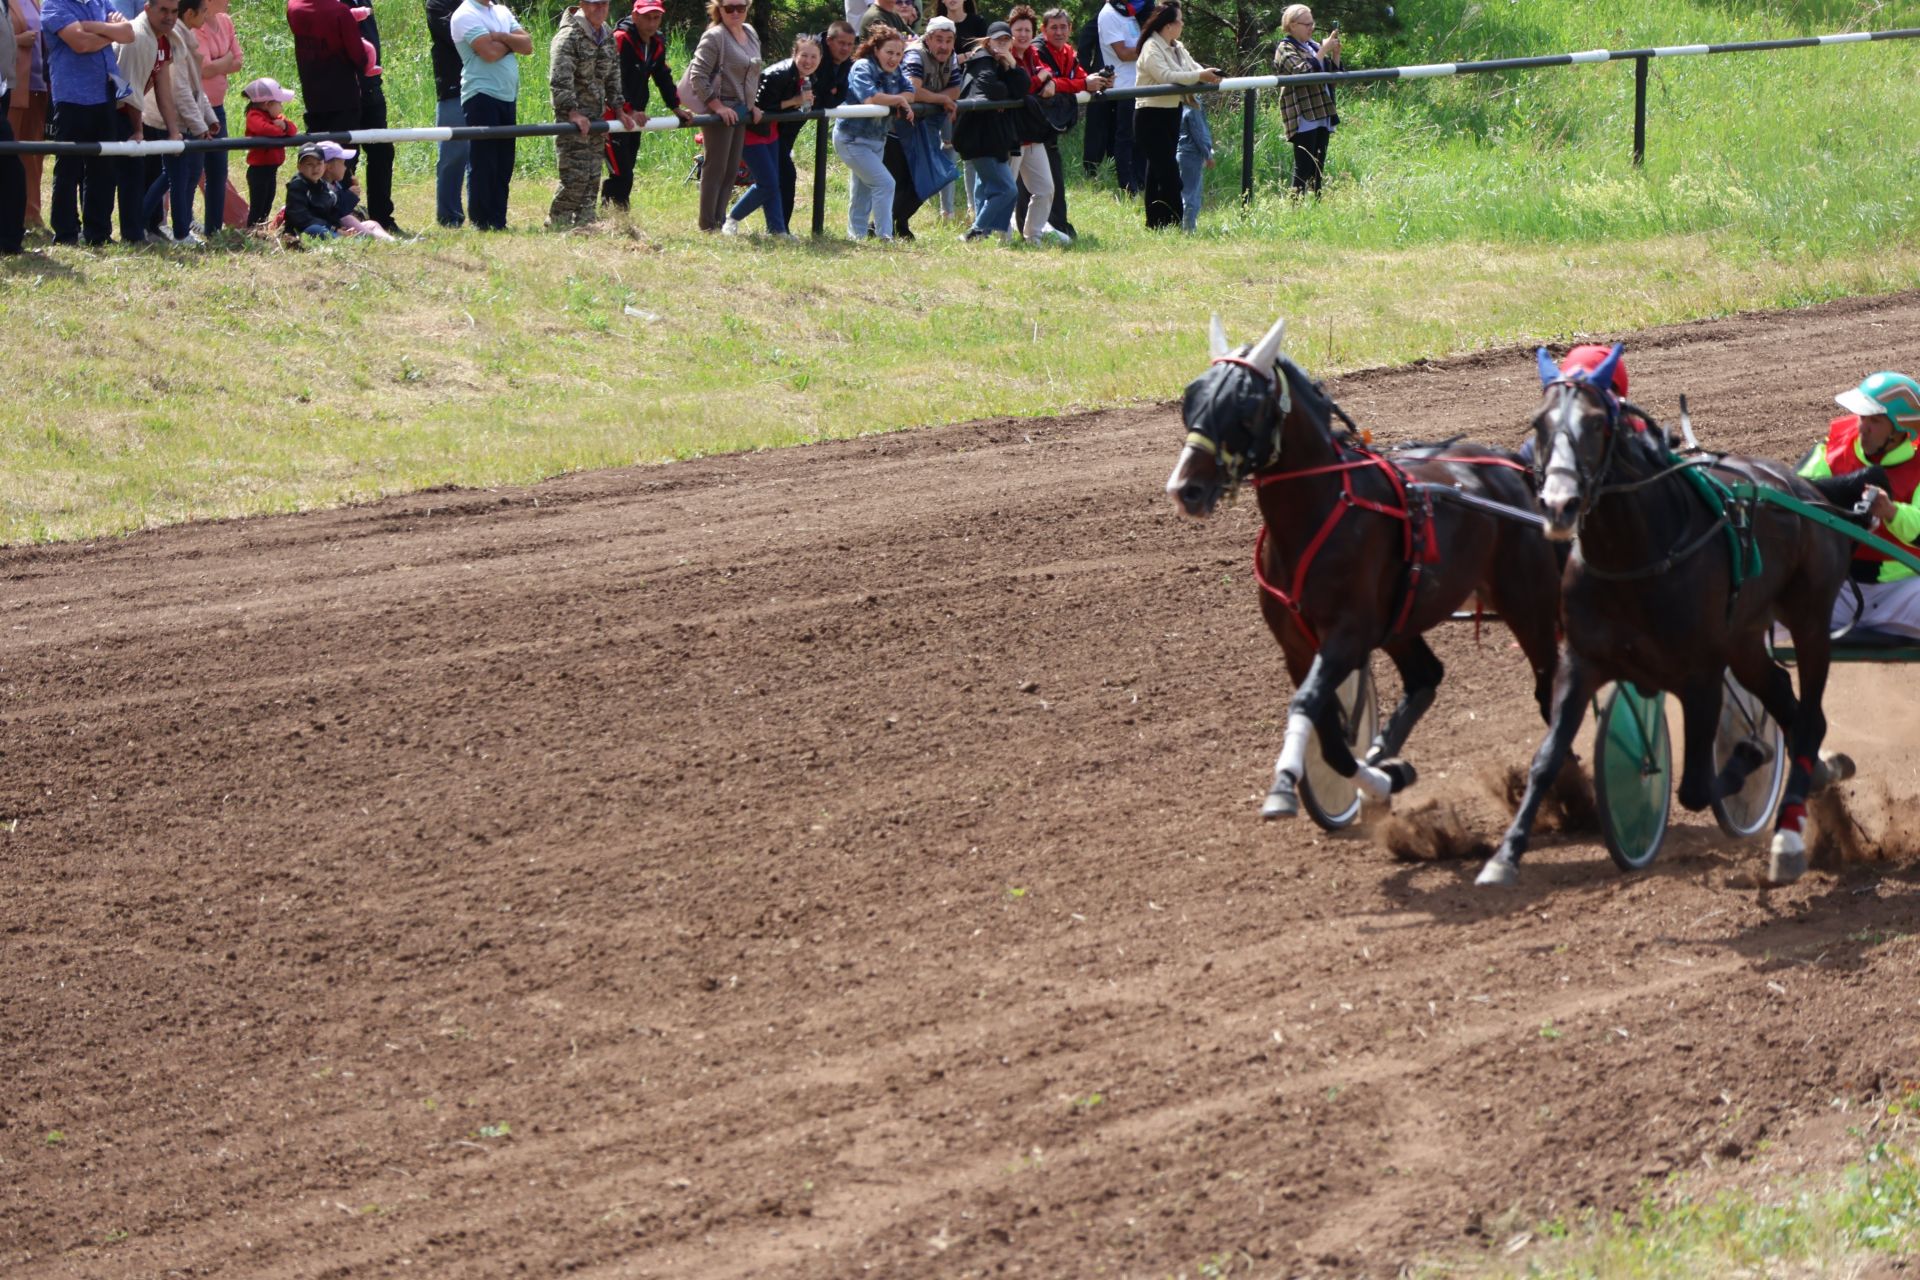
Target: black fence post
1639, 112
819, 178
1246, 146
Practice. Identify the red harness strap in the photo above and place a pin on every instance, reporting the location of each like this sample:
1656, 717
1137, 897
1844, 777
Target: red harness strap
1426, 553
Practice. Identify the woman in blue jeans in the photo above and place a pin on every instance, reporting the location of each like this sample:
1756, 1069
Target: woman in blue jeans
875, 80
990, 138
784, 86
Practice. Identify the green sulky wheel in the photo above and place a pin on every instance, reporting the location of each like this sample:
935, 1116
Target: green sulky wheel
1749, 811
1633, 775
1331, 800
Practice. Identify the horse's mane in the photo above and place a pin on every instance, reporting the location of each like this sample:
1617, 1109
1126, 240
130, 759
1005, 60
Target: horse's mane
1308, 393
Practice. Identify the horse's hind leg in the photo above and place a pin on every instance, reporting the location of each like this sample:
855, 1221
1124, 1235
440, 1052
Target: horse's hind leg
1700, 705
1420, 675
1807, 729
1571, 690
1316, 704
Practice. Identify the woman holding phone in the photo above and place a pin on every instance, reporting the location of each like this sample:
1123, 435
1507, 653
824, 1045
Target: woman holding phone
1307, 109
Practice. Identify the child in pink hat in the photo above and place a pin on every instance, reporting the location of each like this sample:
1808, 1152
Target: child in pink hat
266, 118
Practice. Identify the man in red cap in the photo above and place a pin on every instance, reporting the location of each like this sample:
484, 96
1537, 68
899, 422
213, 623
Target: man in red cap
643, 57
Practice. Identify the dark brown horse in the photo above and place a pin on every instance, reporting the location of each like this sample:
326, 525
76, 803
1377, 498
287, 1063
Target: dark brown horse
1652, 594
1356, 553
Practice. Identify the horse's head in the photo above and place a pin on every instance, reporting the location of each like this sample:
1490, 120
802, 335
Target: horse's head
1233, 414
1574, 436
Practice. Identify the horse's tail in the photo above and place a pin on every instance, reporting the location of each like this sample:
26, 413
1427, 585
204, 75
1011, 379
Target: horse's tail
1845, 491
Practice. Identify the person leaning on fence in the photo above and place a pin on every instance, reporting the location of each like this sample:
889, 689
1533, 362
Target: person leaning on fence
13, 175
932, 70
643, 67
331, 56
583, 76
882, 11
220, 57
724, 74
1056, 55
174, 181
29, 104
862, 143
266, 118
836, 61
989, 138
1156, 130
144, 65
450, 165
490, 41
1881, 428
1120, 46
787, 85
1306, 110
83, 79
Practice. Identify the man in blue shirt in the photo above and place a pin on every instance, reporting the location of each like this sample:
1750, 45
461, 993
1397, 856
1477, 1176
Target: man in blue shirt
87, 89
488, 40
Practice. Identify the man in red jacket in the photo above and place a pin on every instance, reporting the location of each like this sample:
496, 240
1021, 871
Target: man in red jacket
327, 49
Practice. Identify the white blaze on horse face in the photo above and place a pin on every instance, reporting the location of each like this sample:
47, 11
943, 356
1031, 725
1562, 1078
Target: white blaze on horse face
1561, 491
1178, 480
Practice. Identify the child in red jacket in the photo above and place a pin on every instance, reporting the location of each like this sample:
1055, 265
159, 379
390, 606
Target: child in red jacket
266, 118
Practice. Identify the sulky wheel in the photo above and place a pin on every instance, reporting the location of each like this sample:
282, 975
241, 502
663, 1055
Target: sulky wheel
1633, 775
1748, 811
1331, 800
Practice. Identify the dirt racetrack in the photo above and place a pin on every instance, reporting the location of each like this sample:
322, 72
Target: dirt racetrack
845, 861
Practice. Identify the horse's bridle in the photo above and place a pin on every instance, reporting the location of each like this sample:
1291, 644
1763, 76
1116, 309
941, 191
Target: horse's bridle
1238, 466
1589, 483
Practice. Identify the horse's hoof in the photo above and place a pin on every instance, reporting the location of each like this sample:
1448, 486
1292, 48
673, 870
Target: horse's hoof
1787, 860
1281, 802
1402, 773
1831, 767
1498, 871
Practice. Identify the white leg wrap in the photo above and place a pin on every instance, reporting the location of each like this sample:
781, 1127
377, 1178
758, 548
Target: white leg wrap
1293, 752
1374, 783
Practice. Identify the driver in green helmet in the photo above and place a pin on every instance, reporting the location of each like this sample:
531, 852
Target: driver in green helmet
1880, 428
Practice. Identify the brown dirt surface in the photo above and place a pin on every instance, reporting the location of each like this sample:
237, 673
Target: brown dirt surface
846, 861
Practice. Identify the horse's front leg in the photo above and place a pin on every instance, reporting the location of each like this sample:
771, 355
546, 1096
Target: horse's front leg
1787, 857
1699, 723
1316, 703
1420, 675
1571, 689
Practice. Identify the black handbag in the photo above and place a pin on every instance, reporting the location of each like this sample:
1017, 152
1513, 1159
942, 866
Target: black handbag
1062, 109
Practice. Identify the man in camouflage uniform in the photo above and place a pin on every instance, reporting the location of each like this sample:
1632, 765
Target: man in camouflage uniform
585, 78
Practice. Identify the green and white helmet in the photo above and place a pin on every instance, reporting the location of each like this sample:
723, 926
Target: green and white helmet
1893, 394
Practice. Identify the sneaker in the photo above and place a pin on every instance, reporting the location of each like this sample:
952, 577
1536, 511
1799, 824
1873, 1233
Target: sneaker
785, 235
975, 234
193, 239
1049, 236
731, 227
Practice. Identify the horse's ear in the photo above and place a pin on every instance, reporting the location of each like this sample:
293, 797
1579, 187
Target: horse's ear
1602, 376
1266, 355
1216, 338
1549, 371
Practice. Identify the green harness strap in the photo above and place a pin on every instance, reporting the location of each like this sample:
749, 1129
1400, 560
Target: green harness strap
1722, 501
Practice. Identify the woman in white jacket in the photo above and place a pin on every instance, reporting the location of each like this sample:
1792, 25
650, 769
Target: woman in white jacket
1156, 120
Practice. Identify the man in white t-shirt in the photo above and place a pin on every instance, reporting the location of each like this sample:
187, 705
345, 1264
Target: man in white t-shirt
488, 40
1120, 40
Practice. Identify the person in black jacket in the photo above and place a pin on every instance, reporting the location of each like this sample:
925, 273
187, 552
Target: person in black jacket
312, 204
784, 86
450, 173
643, 59
836, 62
373, 115
990, 138
1094, 139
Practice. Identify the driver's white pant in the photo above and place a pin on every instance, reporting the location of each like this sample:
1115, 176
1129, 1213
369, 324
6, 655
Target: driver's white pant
1882, 606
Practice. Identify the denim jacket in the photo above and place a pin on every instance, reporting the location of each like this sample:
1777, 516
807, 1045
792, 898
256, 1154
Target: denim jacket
863, 81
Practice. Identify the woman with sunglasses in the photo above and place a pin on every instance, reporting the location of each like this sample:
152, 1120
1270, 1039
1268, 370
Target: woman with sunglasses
725, 78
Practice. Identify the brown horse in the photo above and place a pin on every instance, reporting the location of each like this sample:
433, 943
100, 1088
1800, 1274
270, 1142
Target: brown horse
1652, 594
1355, 553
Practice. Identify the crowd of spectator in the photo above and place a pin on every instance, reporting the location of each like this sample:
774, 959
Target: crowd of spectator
114, 70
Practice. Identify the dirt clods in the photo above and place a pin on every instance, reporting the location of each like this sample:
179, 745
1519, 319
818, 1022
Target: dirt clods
1569, 807
1431, 831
